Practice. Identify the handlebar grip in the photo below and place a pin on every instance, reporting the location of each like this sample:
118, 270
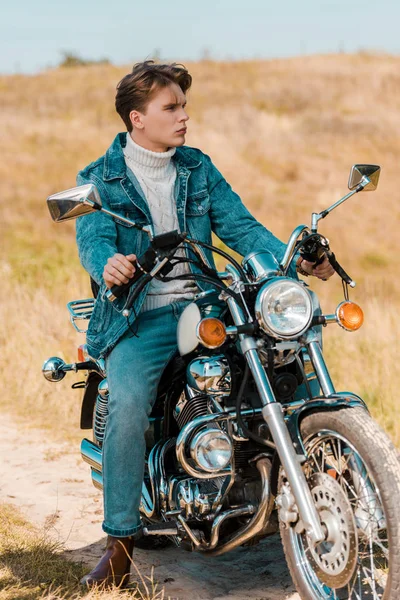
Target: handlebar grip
118, 290
144, 263
132, 297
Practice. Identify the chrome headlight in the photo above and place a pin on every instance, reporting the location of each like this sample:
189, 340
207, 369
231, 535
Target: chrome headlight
284, 308
211, 449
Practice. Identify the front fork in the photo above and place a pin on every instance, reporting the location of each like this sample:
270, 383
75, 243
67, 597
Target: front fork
273, 416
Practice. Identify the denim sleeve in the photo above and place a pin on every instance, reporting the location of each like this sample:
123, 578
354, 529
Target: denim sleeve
234, 224
96, 234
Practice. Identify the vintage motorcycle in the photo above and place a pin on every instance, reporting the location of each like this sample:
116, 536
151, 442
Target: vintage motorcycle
248, 433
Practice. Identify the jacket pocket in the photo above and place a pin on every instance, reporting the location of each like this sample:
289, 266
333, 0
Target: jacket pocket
198, 203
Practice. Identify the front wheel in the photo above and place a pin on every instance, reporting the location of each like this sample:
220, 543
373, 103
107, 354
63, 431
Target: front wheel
353, 473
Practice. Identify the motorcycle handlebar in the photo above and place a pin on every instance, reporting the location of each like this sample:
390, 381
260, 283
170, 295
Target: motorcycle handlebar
143, 264
339, 269
132, 297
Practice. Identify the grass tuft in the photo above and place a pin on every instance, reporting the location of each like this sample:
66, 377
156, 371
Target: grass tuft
33, 567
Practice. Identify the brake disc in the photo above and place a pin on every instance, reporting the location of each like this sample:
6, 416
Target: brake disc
334, 560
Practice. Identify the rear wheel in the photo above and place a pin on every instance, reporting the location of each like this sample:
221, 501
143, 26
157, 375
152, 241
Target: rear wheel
353, 474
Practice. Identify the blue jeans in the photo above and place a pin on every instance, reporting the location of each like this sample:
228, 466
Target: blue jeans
134, 369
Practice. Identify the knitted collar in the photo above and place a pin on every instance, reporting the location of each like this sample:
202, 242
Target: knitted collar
153, 164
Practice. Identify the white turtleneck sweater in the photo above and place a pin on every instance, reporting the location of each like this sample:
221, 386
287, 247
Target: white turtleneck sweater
156, 174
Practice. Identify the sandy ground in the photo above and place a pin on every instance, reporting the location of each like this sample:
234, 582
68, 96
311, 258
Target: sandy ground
52, 486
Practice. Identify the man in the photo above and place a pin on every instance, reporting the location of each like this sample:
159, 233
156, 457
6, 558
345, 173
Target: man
149, 176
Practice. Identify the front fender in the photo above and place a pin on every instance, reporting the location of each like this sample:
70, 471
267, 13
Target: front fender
296, 411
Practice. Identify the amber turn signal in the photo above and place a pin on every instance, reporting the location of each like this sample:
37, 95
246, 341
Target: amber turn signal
349, 315
211, 332
82, 353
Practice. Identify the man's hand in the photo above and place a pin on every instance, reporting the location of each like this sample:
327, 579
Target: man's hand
119, 269
322, 271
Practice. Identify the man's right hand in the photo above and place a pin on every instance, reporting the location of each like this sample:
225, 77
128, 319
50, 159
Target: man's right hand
119, 269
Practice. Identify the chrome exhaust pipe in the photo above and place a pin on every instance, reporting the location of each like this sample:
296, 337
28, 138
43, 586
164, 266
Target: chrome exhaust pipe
257, 523
91, 454
97, 480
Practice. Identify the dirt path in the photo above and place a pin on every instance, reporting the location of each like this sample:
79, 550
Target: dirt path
52, 485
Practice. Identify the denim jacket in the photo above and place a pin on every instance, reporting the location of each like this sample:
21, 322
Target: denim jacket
205, 203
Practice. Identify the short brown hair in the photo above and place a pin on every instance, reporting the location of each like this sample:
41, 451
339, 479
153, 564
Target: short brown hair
136, 89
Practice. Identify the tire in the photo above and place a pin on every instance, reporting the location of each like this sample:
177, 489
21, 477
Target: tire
348, 447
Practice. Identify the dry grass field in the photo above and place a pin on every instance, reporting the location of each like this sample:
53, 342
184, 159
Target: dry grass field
285, 134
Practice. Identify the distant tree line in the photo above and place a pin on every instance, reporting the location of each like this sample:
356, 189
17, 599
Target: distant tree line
70, 59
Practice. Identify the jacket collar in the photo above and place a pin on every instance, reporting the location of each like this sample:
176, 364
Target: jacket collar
114, 160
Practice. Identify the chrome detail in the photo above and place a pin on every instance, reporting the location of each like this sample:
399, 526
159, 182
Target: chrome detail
190, 533
249, 509
161, 530
97, 479
321, 369
315, 217
80, 310
91, 454
197, 446
336, 557
291, 247
101, 412
195, 498
74, 202
100, 362
370, 576
263, 316
82, 200
308, 366
103, 389
329, 319
53, 369
210, 374
369, 515
285, 353
261, 380
236, 312
274, 418
248, 343
366, 176
260, 265
288, 511
190, 405
273, 415
215, 405
189, 429
260, 518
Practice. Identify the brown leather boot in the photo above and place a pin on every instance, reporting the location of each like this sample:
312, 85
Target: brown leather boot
114, 566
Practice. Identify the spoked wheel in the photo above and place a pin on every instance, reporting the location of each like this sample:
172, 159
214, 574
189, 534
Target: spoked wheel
353, 475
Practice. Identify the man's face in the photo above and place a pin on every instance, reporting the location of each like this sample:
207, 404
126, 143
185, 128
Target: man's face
163, 125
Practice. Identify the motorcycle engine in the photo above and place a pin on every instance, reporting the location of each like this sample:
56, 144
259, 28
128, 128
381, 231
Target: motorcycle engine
207, 377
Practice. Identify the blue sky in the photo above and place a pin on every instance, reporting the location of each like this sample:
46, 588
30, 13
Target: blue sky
34, 33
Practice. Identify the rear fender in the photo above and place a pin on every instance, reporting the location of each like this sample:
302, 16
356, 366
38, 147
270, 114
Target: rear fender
296, 412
